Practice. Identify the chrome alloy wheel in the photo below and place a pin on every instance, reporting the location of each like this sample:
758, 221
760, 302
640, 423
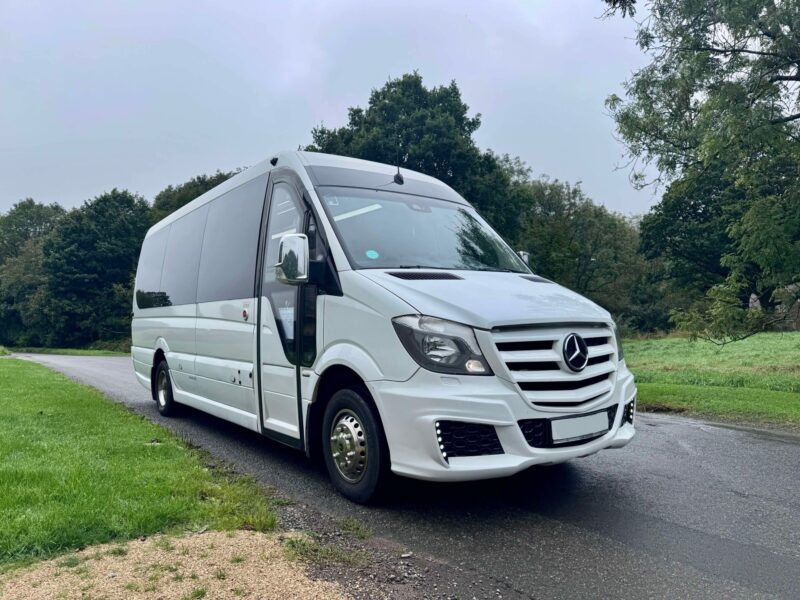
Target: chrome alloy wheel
349, 446
162, 385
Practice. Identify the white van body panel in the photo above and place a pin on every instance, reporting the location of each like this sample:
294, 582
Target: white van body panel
225, 350
491, 299
486, 400
223, 354
358, 324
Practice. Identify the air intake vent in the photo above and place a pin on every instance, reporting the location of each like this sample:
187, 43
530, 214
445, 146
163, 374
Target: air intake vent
536, 279
457, 438
416, 275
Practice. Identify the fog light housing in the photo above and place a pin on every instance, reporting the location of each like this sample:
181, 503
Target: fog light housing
629, 412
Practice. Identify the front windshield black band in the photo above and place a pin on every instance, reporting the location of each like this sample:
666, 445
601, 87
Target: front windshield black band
357, 178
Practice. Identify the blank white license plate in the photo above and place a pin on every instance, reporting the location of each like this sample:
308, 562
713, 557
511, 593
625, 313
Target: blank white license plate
575, 428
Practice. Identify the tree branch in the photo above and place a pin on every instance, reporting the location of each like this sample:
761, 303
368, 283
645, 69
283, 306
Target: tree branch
784, 78
786, 119
715, 50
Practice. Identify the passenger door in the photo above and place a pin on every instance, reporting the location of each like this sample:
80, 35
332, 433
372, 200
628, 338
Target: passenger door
226, 331
280, 332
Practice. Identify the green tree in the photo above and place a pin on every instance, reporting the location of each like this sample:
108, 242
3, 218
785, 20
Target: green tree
626, 7
690, 229
427, 130
22, 292
89, 261
581, 245
25, 220
718, 104
172, 197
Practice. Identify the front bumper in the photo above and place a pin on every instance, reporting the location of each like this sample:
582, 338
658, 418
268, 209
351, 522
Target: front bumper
410, 409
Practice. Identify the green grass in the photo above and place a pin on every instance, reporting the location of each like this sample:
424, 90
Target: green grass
756, 380
3, 351
308, 549
69, 351
356, 528
77, 469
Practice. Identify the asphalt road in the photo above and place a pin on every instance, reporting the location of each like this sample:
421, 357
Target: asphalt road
688, 510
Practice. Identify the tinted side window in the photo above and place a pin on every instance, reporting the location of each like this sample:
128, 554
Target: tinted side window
179, 276
230, 244
148, 273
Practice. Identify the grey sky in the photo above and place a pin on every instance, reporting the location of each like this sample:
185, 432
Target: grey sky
138, 95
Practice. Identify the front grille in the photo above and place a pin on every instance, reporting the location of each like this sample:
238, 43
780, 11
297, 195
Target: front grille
533, 357
538, 432
457, 438
567, 384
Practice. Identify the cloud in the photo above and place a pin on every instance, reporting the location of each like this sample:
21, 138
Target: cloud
141, 95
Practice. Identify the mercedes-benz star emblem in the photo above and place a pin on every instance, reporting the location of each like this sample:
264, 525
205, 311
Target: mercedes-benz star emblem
576, 352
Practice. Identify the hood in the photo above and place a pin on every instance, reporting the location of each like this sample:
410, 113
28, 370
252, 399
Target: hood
486, 299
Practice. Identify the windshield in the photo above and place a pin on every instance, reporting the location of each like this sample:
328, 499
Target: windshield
387, 230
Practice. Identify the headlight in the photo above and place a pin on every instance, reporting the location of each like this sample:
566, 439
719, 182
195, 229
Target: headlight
441, 346
620, 353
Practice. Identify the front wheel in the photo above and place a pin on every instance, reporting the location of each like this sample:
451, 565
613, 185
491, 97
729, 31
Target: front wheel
164, 401
354, 445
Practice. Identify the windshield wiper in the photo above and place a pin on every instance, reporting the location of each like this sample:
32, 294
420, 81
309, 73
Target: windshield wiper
496, 270
421, 267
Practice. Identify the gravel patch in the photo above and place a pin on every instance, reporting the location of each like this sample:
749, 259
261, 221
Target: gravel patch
241, 564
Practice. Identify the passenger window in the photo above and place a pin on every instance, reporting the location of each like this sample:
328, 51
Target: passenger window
285, 216
228, 258
179, 276
148, 273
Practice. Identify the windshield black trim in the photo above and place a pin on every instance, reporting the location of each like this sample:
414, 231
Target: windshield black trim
371, 180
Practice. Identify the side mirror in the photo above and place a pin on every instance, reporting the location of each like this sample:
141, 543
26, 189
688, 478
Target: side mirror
526, 256
292, 267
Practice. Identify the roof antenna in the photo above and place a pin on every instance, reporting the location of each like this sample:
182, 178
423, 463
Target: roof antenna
398, 177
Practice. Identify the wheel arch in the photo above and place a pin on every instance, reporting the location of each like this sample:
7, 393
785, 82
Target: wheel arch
159, 355
336, 376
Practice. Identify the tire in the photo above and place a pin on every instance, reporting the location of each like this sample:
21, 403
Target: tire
359, 444
163, 391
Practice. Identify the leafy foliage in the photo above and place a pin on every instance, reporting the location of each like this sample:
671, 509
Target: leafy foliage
626, 7
717, 111
27, 219
66, 278
172, 198
426, 130
88, 264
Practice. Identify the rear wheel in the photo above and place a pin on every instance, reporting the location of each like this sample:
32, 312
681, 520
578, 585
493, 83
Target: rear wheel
164, 400
354, 445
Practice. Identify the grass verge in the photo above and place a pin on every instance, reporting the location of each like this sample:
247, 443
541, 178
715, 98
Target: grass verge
68, 351
756, 380
77, 469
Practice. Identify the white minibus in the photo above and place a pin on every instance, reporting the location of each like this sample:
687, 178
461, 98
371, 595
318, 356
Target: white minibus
369, 315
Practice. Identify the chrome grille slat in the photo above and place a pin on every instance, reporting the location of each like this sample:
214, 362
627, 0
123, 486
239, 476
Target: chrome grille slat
582, 395
562, 376
530, 356
533, 359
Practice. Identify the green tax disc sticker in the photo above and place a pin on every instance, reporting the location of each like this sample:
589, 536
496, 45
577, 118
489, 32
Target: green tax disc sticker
372, 254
